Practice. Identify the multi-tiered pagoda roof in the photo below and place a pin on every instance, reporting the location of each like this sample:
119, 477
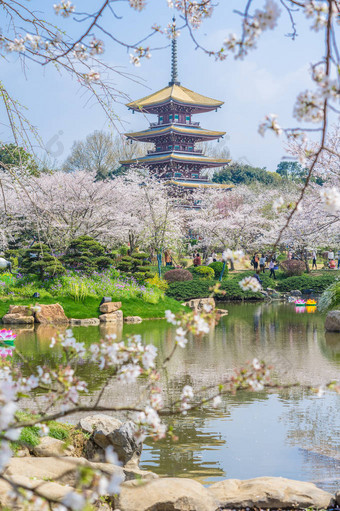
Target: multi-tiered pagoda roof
175, 155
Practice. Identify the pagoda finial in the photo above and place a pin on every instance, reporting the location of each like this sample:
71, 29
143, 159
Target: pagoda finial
174, 70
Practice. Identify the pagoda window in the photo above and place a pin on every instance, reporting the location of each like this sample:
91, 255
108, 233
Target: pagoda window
161, 119
170, 118
168, 174
190, 148
195, 176
169, 147
176, 147
176, 117
158, 148
187, 119
178, 174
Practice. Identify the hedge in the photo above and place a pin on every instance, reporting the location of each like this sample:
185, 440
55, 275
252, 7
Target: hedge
304, 282
183, 291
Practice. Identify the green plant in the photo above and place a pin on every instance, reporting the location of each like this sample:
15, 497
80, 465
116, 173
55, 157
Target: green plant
205, 272
217, 267
304, 282
200, 288
157, 282
178, 275
86, 255
136, 265
293, 267
39, 261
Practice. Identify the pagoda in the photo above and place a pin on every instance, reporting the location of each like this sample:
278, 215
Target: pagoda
174, 156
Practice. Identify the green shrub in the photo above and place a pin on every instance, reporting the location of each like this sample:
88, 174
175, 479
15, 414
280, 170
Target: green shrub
217, 267
293, 267
202, 289
38, 260
86, 255
204, 272
123, 250
177, 275
318, 284
266, 280
136, 266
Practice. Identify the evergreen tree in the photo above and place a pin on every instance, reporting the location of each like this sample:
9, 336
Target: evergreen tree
237, 173
87, 255
136, 266
38, 260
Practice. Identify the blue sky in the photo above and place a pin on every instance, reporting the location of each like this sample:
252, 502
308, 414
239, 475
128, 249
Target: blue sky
267, 81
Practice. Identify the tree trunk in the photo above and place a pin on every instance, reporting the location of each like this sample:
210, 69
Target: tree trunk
232, 267
305, 257
159, 263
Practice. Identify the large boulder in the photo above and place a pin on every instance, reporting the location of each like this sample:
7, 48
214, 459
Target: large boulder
165, 494
110, 307
197, 304
17, 319
112, 317
49, 446
47, 489
54, 313
295, 292
106, 430
269, 492
99, 422
23, 310
63, 470
332, 323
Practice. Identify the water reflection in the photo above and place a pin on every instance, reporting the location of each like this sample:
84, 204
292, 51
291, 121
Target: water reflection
252, 434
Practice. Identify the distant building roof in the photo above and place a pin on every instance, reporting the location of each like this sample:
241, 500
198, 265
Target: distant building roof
177, 94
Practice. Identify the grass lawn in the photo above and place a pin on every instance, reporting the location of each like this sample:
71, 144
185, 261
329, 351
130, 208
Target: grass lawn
89, 308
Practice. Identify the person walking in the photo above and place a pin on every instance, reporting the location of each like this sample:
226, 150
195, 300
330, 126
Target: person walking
198, 260
262, 263
256, 263
338, 259
314, 260
272, 269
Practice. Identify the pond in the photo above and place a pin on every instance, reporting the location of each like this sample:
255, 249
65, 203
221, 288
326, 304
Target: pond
289, 433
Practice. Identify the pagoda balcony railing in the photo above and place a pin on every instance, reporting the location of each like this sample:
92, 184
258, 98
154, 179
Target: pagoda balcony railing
195, 151
155, 124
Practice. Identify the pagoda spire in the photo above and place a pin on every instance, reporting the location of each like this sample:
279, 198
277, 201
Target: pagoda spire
174, 69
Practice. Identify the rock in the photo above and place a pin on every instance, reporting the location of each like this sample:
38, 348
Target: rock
47, 489
84, 322
337, 498
99, 422
107, 431
53, 313
165, 494
65, 470
269, 492
133, 319
17, 319
52, 447
295, 292
332, 323
22, 452
132, 472
110, 307
112, 317
122, 440
221, 312
23, 310
197, 304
